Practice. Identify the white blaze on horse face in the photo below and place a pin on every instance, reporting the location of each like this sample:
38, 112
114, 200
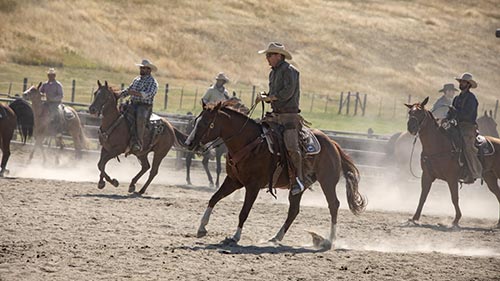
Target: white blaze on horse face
193, 133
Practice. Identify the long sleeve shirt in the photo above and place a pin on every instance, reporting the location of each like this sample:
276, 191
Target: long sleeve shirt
441, 107
466, 105
215, 94
53, 91
284, 84
146, 85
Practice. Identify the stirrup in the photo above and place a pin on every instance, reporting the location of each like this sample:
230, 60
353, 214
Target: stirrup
298, 187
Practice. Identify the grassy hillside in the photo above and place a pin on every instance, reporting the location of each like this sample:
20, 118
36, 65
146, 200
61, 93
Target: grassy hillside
387, 49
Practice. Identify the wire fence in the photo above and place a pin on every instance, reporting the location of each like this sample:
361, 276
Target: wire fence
183, 99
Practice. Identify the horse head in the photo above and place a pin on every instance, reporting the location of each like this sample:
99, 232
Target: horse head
102, 96
33, 93
417, 116
206, 128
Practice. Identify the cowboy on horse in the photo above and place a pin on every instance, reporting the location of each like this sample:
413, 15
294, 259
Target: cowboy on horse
142, 91
54, 94
284, 97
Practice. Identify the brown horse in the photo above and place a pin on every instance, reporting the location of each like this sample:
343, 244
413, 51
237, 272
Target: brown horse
114, 135
400, 146
248, 153
19, 114
438, 160
43, 126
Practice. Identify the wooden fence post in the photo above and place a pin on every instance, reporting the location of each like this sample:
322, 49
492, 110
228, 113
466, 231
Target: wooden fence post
364, 106
10, 88
182, 96
253, 95
312, 103
341, 103
25, 84
326, 103
195, 98
496, 109
348, 100
356, 104
165, 101
73, 84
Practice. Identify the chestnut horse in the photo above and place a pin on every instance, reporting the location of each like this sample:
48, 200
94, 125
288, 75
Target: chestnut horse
438, 161
43, 127
114, 135
19, 114
253, 170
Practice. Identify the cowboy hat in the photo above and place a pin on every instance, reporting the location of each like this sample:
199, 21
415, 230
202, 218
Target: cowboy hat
275, 47
447, 87
51, 71
147, 63
467, 77
222, 76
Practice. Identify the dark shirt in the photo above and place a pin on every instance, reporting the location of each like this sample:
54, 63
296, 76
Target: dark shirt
466, 105
284, 84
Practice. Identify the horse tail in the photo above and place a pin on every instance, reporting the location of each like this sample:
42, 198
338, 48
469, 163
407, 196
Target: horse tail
84, 141
180, 138
357, 202
25, 118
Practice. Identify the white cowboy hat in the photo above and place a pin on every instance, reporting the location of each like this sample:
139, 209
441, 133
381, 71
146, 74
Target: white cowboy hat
275, 47
449, 86
147, 63
51, 71
222, 76
467, 77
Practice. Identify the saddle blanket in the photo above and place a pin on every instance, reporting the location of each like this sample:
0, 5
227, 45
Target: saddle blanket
485, 145
308, 141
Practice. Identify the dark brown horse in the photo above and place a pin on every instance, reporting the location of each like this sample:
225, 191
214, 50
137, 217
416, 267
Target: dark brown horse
253, 170
114, 135
19, 114
486, 125
439, 162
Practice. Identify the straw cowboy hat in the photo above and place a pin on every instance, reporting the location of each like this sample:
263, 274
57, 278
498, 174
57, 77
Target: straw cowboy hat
467, 77
222, 76
275, 47
51, 71
448, 87
147, 63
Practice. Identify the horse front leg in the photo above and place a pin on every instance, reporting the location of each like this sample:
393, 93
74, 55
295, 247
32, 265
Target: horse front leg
205, 160
426, 183
5, 157
101, 165
228, 186
218, 167
491, 180
251, 193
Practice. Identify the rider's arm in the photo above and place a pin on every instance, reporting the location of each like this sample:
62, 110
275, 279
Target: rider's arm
149, 90
290, 79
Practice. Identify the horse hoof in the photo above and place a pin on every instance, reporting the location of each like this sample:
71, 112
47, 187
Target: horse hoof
319, 242
131, 188
114, 183
201, 233
101, 184
229, 241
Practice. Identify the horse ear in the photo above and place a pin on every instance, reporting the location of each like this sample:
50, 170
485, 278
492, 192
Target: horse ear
99, 83
423, 103
218, 106
39, 85
106, 83
491, 113
203, 104
408, 105
486, 113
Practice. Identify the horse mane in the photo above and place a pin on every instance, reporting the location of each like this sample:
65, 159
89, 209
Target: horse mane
229, 105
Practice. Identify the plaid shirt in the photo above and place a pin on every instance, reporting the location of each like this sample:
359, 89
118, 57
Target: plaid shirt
146, 85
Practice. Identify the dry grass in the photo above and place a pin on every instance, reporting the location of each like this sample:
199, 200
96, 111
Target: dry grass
388, 49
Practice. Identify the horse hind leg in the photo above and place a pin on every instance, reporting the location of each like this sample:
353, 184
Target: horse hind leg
144, 167
453, 185
157, 158
492, 182
5, 144
293, 211
205, 160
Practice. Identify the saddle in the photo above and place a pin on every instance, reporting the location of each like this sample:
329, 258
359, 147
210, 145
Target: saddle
66, 112
154, 127
484, 146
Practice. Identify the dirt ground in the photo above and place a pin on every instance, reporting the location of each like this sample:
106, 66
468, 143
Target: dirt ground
56, 225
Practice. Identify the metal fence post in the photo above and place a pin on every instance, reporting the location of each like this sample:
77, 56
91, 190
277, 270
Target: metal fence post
182, 96
364, 105
496, 109
25, 84
253, 95
165, 101
356, 104
73, 84
326, 104
341, 102
348, 100
10, 88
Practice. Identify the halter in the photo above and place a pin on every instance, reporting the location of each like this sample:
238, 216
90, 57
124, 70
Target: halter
419, 127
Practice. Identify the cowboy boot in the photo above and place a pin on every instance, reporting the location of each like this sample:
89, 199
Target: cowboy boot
297, 186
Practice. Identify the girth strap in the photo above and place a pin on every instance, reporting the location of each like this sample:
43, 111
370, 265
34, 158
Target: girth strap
105, 134
233, 160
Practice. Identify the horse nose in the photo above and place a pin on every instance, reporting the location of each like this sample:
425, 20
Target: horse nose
92, 110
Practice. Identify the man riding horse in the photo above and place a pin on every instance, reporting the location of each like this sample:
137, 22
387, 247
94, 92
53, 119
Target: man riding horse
284, 96
142, 91
466, 105
53, 91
